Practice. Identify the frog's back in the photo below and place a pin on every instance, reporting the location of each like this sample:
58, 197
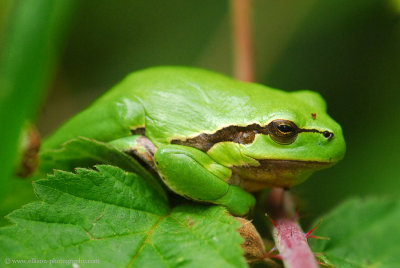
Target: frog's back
172, 103
183, 102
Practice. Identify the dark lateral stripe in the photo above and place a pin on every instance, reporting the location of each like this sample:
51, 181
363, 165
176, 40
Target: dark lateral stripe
138, 131
310, 130
238, 134
327, 134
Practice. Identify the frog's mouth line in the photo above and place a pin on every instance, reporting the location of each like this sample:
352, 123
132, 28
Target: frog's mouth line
294, 163
279, 165
275, 173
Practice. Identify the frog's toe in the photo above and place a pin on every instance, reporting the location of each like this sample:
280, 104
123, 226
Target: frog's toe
237, 201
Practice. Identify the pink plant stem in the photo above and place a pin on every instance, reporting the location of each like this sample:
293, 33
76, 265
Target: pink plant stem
243, 52
290, 239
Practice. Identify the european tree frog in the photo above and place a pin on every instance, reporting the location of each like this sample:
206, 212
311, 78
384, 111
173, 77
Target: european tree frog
209, 137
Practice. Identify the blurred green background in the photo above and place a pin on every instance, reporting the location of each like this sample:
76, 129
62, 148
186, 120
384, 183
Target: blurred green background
349, 51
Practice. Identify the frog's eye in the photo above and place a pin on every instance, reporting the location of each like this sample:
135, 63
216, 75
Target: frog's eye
283, 131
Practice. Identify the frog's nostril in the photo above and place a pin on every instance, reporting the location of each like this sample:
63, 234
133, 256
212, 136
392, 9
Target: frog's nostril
328, 135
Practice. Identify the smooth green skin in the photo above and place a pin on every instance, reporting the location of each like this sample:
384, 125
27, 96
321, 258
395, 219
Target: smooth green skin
181, 102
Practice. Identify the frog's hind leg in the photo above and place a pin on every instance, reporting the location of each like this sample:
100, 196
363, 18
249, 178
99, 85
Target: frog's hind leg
191, 173
140, 148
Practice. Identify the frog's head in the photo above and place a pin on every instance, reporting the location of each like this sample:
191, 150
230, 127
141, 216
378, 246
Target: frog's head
299, 138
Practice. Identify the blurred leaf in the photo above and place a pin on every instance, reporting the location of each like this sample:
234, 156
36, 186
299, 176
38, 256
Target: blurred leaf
119, 219
29, 51
362, 232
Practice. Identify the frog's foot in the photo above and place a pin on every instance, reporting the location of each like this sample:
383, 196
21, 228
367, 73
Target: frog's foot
191, 173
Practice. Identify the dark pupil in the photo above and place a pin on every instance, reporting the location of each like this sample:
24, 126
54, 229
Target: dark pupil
285, 128
327, 134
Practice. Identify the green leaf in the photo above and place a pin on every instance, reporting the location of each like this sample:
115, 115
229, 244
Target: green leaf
85, 153
362, 232
119, 219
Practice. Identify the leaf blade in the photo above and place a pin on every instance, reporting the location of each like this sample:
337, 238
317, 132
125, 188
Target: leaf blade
91, 215
363, 233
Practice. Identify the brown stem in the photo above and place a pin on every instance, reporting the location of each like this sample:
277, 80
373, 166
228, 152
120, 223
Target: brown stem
243, 51
290, 239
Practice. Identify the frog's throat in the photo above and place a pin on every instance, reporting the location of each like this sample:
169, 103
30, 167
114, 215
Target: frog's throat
274, 173
237, 134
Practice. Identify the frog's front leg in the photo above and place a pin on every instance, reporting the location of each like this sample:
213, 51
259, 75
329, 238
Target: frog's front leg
193, 174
